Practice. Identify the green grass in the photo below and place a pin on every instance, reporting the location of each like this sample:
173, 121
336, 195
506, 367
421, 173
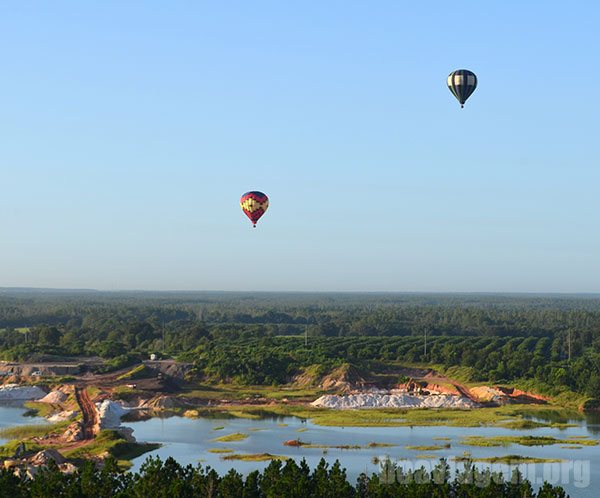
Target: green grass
479, 417
524, 441
433, 447
304, 444
218, 428
124, 465
33, 430
39, 409
8, 450
220, 450
124, 393
526, 424
562, 396
139, 372
427, 457
253, 457
571, 447
442, 438
243, 414
461, 374
509, 459
522, 424
234, 392
229, 438
334, 447
110, 442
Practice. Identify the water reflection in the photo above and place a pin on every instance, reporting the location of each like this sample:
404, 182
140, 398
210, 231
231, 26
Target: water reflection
191, 441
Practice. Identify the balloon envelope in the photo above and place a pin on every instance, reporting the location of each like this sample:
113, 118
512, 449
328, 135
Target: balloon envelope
462, 84
254, 204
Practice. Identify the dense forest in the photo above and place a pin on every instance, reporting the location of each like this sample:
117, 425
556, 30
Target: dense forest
168, 479
267, 338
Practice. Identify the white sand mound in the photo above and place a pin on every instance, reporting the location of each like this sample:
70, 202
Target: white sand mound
110, 413
54, 397
370, 400
14, 391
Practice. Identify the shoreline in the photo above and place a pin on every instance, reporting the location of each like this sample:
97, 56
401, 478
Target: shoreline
118, 441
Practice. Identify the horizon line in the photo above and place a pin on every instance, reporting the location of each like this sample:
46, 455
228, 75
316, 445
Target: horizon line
224, 291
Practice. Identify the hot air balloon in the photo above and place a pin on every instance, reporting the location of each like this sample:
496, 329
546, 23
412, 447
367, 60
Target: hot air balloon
462, 84
254, 204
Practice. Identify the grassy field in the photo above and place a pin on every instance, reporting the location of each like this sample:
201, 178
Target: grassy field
139, 372
524, 441
39, 409
433, 447
22, 330
239, 393
511, 416
32, 430
304, 444
229, 438
253, 457
8, 450
113, 443
508, 459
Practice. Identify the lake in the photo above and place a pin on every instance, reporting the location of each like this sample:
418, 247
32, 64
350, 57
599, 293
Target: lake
188, 441
11, 414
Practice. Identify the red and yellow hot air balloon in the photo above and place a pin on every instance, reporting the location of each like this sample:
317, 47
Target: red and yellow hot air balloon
254, 204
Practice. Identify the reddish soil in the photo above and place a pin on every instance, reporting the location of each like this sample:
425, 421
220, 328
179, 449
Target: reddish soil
88, 411
521, 396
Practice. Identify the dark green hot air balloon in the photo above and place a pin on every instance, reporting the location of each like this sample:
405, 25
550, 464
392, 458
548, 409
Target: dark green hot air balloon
462, 84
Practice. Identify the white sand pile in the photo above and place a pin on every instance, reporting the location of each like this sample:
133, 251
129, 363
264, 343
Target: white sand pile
54, 397
110, 413
370, 400
14, 391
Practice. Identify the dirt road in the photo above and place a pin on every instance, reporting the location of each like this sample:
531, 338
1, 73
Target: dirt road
88, 411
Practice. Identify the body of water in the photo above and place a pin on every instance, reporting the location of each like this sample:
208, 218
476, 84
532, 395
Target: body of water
188, 441
12, 413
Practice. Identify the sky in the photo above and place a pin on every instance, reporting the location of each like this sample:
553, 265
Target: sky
129, 130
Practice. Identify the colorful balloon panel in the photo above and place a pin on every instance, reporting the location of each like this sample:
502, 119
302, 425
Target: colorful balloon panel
254, 204
462, 84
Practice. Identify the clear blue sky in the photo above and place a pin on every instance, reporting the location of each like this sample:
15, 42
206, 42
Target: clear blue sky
130, 129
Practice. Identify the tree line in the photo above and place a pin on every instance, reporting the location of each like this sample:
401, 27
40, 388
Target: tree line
279, 479
259, 338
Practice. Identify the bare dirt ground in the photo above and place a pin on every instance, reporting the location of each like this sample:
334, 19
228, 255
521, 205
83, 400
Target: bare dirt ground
88, 411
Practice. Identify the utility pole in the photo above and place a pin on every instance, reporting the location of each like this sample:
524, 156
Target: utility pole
306, 333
